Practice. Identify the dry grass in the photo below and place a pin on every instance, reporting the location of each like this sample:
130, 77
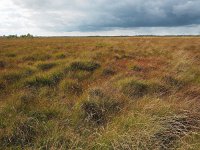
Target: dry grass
100, 93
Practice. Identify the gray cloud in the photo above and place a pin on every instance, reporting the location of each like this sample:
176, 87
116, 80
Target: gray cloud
103, 15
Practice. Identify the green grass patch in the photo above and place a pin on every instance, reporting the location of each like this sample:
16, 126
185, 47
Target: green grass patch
49, 79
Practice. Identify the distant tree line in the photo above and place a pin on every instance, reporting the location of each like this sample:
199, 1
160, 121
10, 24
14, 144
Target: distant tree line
16, 36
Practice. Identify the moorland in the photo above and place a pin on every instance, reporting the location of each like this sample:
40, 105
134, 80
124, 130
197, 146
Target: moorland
100, 93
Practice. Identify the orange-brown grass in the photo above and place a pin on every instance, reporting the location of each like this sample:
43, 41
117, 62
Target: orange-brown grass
100, 93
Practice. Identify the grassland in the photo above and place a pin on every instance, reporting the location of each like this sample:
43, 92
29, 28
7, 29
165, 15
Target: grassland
100, 93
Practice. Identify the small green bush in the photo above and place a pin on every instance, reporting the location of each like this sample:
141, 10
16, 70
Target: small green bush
87, 66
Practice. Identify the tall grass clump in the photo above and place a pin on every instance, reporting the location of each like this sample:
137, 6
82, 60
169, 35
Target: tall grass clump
60, 56
133, 88
137, 88
22, 134
102, 104
48, 79
84, 65
14, 76
71, 87
37, 57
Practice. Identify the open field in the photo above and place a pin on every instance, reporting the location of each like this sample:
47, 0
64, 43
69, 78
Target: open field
100, 93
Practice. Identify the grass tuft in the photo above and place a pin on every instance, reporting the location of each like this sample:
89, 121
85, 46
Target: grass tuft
82, 65
46, 66
108, 72
60, 56
50, 79
101, 105
71, 87
134, 88
23, 134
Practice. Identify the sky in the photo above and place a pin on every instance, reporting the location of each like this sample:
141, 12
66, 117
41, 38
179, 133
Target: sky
100, 17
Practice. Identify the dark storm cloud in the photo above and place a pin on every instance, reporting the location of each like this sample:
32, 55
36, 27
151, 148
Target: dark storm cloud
92, 15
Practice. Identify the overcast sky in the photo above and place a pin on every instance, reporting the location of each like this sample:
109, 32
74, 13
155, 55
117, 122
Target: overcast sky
99, 17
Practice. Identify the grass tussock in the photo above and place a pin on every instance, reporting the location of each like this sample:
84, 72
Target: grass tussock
108, 71
102, 104
23, 134
86, 66
49, 79
71, 87
60, 56
137, 88
46, 66
37, 57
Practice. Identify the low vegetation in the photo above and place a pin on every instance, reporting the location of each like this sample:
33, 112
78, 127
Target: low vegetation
99, 93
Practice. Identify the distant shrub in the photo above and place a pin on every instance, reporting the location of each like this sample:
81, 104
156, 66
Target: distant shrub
46, 66
71, 87
87, 66
27, 36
